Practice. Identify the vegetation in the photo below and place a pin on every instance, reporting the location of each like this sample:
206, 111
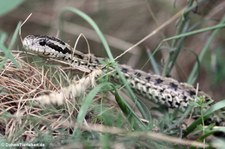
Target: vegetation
185, 40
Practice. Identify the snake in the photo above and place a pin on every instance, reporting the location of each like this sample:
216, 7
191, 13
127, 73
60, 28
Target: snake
161, 90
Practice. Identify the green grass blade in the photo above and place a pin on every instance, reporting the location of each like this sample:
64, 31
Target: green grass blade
8, 5
14, 37
91, 22
88, 101
128, 112
213, 131
3, 37
177, 44
107, 49
217, 106
8, 54
153, 63
192, 76
215, 27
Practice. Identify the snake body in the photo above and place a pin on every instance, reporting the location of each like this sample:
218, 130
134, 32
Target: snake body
163, 90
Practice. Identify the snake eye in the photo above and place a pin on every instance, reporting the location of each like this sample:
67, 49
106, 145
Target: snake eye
42, 42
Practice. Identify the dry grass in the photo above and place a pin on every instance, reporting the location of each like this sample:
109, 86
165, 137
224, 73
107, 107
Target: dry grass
36, 109
23, 119
23, 82
18, 84
24, 92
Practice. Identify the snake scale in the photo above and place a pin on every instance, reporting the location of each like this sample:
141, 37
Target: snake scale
162, 90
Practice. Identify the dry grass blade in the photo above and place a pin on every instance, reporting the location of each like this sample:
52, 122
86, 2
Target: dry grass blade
74, 90
22, 87
23, 82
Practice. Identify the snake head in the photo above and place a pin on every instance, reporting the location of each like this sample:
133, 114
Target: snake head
46, 46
